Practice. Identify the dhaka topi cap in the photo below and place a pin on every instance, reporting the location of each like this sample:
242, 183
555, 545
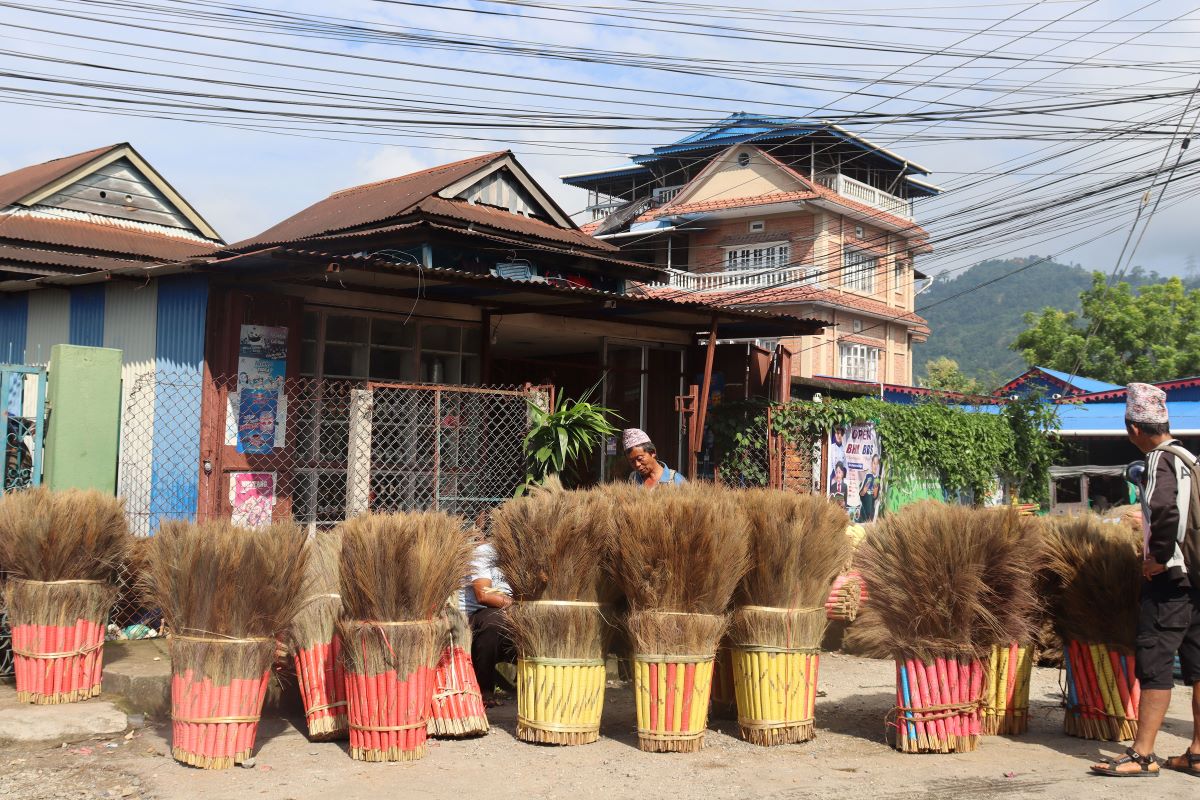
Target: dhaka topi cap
1145, 403
632, 437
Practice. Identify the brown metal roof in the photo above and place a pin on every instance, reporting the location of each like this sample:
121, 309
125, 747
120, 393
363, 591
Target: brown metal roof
74, 261
22, 182
514, 223
480, 289
20, 228
363, 205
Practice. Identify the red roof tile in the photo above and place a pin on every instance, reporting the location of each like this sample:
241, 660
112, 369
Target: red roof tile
794, 295
812, 191
22, 182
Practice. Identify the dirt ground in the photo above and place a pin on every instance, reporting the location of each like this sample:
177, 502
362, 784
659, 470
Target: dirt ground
848, 759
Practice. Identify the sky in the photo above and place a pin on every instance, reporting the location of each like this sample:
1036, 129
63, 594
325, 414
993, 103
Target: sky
294, 107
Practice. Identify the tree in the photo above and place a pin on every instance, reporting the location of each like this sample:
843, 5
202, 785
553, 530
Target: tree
943, 374
1121, 334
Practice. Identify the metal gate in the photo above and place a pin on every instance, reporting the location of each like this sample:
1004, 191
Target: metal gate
23, 413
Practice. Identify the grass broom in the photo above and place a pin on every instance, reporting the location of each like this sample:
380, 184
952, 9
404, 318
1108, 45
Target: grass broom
227, 595
797, 547
552, 547
457, 708
1094, 582
316, 647
62, 551
680, 553
947, 583
396, 572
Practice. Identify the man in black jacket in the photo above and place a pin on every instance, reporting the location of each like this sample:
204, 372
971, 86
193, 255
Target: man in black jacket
1169, 620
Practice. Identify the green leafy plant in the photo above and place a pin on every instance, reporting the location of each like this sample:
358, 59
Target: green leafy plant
966, 450
559, 436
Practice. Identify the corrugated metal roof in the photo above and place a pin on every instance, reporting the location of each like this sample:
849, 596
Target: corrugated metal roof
103, 238
622, 307
30, 255
19, 183
526, 226
363, 205
1087, 385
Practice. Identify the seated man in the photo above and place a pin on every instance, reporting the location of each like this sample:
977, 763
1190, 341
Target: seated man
485, 598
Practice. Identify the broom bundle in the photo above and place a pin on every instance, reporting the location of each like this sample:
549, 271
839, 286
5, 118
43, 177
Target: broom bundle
948, 582
845, 598
680, 553
552, 547
315, 643
396, 572
1094, 581
797, 547
227, 594
457, 707
62, 551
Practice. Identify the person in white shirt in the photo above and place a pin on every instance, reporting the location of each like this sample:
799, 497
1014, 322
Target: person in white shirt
485, 600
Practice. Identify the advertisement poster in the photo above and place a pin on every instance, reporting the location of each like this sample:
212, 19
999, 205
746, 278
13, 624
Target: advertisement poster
856, 470
252, 498
260, 402
257, 411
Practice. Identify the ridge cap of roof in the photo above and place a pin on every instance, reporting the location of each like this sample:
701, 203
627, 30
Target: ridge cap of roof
482, 159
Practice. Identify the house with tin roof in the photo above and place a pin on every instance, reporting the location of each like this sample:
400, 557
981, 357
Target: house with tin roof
771, 213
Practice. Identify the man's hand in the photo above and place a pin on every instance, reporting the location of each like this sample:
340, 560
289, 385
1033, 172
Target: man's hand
1150, 568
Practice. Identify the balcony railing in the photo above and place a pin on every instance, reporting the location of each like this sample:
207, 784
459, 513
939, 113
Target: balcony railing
732, 280
867, 194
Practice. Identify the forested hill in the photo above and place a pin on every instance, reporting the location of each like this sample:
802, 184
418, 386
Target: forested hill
976, 328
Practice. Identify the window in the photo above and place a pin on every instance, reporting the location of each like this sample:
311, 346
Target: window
743, 159
858, 270
759, 256
859, 362
758, 226
858, 231
899, 272
383, 348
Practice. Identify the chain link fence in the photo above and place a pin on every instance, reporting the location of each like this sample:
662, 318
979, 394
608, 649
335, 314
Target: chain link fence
314, 451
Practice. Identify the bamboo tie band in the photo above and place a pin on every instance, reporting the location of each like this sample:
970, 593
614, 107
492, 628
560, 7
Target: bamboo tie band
779, 610
60, 583
220, 639
943, 711
659, 658
766, 648
578, 603
387, 728
68, 654
564, 662
557, 727
213, 720
325, 707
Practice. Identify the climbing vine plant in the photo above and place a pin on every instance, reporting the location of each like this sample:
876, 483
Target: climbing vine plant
966, 450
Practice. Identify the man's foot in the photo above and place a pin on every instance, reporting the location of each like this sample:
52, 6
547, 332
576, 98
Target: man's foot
1130, 765
1188, 763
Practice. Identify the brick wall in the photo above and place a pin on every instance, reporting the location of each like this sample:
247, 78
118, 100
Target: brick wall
706, 249
797, 469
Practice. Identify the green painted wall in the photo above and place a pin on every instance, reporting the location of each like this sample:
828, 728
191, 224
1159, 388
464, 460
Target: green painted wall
84, 398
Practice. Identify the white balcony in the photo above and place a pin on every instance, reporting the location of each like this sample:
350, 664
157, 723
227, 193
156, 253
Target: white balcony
733, 280
866, 194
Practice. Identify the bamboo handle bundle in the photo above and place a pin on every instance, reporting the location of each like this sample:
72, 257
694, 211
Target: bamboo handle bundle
938, 704
845, 599
1102, 692
776, 693
559, 700
322, 680
672, 694
1006, 690
457, 708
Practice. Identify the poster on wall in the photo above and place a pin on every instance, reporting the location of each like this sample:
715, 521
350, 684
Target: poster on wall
252, 498
856, 470
259, 404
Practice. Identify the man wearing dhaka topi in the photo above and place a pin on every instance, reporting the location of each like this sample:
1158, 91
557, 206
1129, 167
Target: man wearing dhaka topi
648, 471
1169, 617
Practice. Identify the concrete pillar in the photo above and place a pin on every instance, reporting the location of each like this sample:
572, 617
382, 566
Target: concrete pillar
84, 407
358, 461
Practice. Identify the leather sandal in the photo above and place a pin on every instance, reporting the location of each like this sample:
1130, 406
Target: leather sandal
1188, 763
1149, 765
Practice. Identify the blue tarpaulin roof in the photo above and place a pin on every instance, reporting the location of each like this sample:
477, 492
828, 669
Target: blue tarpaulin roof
1100, 419
1083, 384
